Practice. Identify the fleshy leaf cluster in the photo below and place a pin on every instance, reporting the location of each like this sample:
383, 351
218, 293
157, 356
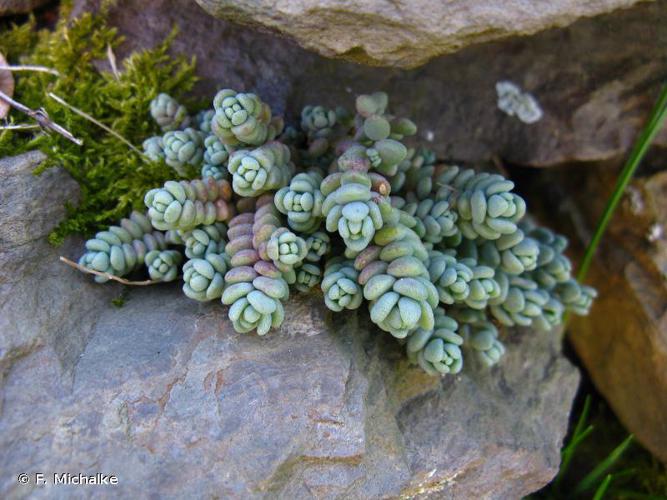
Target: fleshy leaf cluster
443, 257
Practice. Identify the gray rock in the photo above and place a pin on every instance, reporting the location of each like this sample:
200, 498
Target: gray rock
403, 33
165, 395
594, 81
10, 7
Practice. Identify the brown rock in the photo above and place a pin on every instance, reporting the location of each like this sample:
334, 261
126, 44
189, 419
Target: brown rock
595, 80
623, 342
402, 33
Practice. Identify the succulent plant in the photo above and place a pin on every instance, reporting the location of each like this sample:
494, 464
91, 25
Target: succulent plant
437, 351
163, 264
483, 285
255, 287
352, 208
575, 297
450, 277
168, 113
154, 148
217, 173
485, 203
185, 205
553, 266
318, 245
511, 253
408, 172
203, 278
340, 286
203, 121
341, 202
263, 169
435, 219
482, 339
302, 202
241, 118
396, 282
215, 153
318, 121
121, 249
520, 303
183, 147
205, 239
286, 249
308, 276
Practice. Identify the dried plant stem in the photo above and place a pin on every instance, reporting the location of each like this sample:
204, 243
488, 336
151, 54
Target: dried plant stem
90, 118
25, 126
39, 69
107, 275
41, 117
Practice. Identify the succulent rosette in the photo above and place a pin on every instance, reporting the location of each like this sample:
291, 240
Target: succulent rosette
168, 113
482, 339
203, 278
340, 286
352, 209
437, 351
205, 239
260, 170
308, 276
163, 264
553, 266
154, 148
318, 245
302, 202
486, 205
450, 277
183, 147
241, 118
122, 249
575, 297
185, 205
521, 301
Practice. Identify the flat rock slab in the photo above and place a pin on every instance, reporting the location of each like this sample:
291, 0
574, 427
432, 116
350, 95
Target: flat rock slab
403, 33
595, 80
166, 396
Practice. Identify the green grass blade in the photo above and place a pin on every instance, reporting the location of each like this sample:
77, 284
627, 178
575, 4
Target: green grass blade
592, 477
578, 435
630, 495
583, 417
602, 489
637, 154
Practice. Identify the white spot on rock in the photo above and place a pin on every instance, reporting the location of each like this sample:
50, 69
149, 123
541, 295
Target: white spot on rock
655, 233
515, 102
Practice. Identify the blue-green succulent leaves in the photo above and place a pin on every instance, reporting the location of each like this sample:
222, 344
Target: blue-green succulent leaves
441, 255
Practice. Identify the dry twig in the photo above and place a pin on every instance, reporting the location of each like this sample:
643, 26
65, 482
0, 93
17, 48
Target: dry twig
39, 69
107, 275
90, 118
41, 117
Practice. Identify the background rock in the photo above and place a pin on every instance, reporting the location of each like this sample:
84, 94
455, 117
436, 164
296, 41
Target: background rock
8, 7
165, 395
595, 80
623, 342
403, 33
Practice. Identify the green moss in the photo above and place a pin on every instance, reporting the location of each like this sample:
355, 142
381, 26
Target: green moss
113, 178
